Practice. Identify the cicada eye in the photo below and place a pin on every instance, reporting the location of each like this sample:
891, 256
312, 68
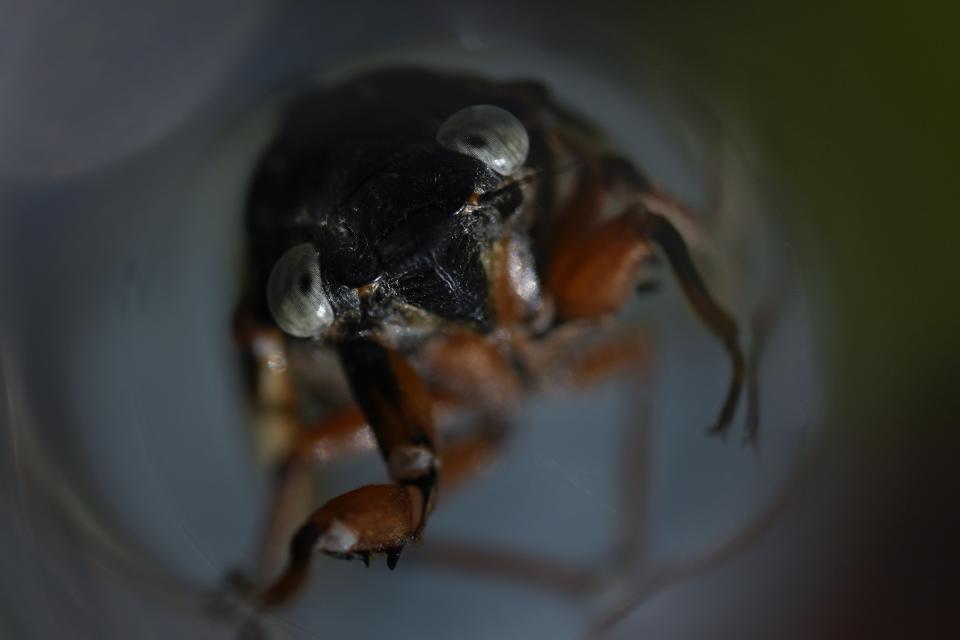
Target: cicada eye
295, 293
490, 134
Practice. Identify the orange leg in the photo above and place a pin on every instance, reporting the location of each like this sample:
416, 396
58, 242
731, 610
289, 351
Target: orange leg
471, 370
401, 416
595, 267
713, 315
340, 433
398, 407
597, 275
608, 358
373, 519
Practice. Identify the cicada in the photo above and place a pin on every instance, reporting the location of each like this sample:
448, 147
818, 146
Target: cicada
438, 247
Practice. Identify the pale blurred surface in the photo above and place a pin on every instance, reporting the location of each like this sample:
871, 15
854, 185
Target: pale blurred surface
127, 480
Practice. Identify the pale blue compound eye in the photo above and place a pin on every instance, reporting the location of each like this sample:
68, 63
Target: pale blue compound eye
296, 296
488, 133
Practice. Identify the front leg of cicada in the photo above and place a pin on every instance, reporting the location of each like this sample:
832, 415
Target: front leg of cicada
372, 519
376, 518
399, 409
666, 236
595, 266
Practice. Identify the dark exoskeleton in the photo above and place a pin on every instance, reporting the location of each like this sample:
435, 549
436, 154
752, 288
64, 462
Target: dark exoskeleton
457, 243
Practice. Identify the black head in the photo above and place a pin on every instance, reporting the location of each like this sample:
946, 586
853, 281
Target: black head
400, 226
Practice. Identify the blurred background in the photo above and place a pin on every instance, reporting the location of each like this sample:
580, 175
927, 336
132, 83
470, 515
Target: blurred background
129, 484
